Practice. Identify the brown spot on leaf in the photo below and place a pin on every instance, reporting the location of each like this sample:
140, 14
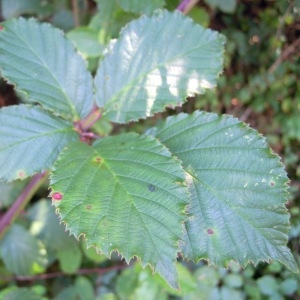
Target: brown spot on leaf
1, 27
97, 159
210, 231
89, 207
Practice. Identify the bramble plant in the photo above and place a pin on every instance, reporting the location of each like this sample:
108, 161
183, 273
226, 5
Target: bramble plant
202, 185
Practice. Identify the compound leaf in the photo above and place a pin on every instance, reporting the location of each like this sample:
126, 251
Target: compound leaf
142, 7
125, 193
131, 85
43, 64
238, 190
30, 140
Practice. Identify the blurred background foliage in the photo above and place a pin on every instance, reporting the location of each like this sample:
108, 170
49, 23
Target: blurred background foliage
260, 86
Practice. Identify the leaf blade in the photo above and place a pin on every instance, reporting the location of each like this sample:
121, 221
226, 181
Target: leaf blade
36, 52
238, 188
21, 252
30, 140
143, 85
142, 7
124, 199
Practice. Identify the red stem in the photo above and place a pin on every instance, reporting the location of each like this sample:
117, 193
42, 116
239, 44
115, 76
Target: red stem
182, 5
98, 271
186, 5
91, 119
21, 202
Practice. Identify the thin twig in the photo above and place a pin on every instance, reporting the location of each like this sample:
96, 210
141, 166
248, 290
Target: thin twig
284, 55
246, 114
21, 202
91, 119
46, 276
75, 10
185, 6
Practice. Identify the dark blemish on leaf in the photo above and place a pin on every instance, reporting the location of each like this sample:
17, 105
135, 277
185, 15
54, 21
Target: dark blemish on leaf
89, 207
1, 27
210, 231
57, 196
272, 183
106, 77
151, 188
97, 159
116, 106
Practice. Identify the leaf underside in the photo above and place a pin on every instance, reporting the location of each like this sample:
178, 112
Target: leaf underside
138, 77
30, 140
238, 190
43, 64
124, 193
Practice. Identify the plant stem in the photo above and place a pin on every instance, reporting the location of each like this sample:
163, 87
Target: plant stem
186, 5
284, 55
21, 202
75, 13
46, 276
91, 119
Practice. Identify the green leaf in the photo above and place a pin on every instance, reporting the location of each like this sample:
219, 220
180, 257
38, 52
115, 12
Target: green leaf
140, 284
86, 41
92, 254
9, 192
137, 79
43, 64
227, 6
14, 8
30, 140
268, 285
45, 225
142, 7
238, 190
125, 193
21, 252
83, 290
289, 286
15, 293
70, 259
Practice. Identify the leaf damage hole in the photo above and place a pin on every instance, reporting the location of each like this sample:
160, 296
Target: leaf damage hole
210, 231
57, 196
151, 188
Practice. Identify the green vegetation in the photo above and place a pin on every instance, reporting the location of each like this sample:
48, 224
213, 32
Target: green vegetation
135, 170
